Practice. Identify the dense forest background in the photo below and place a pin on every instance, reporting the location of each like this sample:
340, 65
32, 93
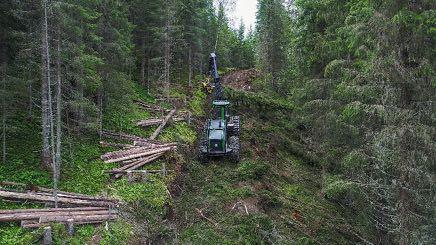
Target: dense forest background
360, 75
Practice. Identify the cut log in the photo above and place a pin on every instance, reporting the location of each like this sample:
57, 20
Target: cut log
124, 136
136, 171
142, 143
109, 144
157, 121
151, 107
139, 154
138, 164
37, 215
158, 144
161, 127
47, 191
122, 153
42, 198
79, 218
149, 122
47, 210
91, 198
36, 224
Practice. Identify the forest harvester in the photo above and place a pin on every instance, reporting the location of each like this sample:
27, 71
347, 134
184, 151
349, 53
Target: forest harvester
221, 131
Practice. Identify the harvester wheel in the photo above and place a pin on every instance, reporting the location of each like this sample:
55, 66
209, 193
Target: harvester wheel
234, 145
235, 121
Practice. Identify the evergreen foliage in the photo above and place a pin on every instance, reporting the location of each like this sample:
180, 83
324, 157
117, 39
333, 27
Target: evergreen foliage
348, 87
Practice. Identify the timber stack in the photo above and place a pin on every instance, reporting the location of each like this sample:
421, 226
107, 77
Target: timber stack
34, 218
141, 151
76, 208
178, 117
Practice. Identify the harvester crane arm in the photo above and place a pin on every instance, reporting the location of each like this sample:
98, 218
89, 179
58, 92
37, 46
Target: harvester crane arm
216, 79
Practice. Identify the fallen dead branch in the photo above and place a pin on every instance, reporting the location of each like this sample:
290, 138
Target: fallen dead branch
200, 212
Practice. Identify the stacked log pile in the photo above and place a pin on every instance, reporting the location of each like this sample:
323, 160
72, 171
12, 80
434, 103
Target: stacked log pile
80, 208
34, 218
142, 151
157, 121
178, 117
62, 198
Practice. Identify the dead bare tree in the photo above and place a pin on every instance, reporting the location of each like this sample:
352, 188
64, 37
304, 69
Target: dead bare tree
47, 129
167, 48
58, 159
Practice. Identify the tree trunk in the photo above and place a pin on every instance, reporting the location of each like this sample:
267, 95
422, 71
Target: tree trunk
58, 160
45, 88
148, 73
167, 52
30, 101
143, 60
190, 66
4, 122
100, 113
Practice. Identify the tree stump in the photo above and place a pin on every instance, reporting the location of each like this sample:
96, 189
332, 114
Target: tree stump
48, 239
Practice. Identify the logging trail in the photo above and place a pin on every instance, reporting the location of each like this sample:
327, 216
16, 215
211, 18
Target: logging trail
271, 196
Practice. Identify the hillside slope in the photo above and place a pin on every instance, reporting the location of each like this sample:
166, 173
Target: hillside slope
272, 196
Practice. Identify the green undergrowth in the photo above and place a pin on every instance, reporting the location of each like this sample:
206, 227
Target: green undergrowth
82, 171
281, 190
